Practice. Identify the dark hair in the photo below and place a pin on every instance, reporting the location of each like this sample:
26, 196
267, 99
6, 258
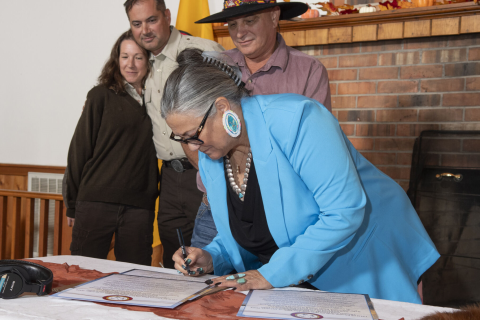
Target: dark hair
196, 84
129, 4
111, 76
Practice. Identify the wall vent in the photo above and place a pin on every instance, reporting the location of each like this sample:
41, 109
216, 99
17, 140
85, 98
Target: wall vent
47, 183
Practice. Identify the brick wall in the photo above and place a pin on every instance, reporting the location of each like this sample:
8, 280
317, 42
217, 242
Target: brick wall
385, 93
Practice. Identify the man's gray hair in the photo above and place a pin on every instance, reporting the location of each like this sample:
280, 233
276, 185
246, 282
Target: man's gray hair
195, 85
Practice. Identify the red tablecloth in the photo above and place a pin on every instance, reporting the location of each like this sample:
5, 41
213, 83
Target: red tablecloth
222, 305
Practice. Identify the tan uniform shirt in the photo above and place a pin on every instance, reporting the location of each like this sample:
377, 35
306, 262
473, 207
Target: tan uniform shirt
162, 66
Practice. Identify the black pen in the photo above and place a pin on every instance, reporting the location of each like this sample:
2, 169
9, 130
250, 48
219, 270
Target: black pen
182, 246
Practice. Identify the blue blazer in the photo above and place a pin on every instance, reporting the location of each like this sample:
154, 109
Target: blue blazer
339, 222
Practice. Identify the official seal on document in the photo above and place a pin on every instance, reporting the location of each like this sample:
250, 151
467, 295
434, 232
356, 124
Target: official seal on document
304, 315
125, 298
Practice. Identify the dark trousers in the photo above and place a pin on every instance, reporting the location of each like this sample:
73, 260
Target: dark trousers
96, 222
178, 206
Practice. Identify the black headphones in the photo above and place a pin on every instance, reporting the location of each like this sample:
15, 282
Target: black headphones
17, 277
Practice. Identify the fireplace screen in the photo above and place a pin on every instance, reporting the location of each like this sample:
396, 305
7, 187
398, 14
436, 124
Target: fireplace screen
445, 190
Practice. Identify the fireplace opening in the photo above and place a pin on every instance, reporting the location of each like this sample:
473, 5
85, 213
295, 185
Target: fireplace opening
445, 190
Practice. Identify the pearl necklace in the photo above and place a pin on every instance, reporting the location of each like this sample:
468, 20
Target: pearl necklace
243, 188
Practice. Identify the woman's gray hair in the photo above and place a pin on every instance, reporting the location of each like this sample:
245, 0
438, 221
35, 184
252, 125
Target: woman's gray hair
195, 85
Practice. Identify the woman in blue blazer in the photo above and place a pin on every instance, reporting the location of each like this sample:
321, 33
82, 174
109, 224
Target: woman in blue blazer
292, 199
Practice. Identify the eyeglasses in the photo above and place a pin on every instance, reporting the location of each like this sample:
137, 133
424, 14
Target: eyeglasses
194, 139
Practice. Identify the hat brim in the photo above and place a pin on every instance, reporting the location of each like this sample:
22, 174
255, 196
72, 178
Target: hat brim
288, 10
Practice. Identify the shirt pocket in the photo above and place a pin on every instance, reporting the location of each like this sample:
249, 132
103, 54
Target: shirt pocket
148, 95
149, 105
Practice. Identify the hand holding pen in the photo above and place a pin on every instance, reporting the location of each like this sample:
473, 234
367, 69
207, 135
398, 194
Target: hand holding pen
184, 251
192, 261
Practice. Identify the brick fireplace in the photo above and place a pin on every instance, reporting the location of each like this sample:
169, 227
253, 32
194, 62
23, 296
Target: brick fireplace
384, 93
394, 74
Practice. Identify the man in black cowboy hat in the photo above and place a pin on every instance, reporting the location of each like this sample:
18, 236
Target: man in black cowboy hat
268, 66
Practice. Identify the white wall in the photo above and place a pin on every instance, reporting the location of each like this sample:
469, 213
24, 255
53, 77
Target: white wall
51, 52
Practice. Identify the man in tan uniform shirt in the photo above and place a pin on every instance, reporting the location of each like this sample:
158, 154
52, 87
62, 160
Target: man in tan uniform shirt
179, 196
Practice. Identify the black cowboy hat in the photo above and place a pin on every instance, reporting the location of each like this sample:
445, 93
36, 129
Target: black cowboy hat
235, 8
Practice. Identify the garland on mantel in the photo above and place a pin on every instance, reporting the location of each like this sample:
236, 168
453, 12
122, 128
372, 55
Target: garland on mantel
333, 10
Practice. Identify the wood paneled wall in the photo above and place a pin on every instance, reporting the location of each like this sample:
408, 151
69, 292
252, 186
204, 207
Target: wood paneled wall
15, 176
17, 225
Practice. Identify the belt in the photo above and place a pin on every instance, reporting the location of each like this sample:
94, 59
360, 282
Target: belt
179, 165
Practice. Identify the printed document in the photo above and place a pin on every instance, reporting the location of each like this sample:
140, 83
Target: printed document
139, 290
162, 275
309, 304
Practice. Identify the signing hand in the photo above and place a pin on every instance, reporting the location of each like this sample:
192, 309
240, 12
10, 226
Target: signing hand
198, 260
244, 281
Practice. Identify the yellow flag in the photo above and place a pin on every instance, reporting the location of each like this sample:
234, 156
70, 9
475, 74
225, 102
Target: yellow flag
190, 11
156, 236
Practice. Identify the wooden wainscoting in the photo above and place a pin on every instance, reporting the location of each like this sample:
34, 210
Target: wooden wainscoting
16, 214
15, 176
16, 224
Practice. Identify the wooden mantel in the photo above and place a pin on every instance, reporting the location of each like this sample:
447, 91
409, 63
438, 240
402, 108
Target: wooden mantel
451, 19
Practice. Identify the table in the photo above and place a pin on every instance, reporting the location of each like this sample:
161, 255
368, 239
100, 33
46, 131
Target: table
46, 307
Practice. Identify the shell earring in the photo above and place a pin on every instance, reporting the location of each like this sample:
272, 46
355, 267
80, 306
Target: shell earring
232, 123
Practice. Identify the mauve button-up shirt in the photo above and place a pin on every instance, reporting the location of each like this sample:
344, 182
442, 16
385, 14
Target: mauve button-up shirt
287, 71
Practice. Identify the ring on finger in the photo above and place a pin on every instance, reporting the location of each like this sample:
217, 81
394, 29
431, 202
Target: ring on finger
236, 276
241, 281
